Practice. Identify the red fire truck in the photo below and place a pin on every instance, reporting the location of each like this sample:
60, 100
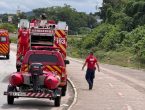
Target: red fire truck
4, 43
43, 35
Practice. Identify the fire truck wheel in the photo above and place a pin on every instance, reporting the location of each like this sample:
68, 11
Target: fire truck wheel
10, 99
7, 56
63, 90
57, 101
18, 68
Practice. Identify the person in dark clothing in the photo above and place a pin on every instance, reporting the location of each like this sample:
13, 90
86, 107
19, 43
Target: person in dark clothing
91, 62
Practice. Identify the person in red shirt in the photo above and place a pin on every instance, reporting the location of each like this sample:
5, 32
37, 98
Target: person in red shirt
91, 62
24, 39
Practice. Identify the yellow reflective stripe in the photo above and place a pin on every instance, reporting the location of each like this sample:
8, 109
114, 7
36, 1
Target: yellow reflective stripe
62, 47
3, 48
57, 68
62, 31
2, 51
50, 68
57, 33
6, 47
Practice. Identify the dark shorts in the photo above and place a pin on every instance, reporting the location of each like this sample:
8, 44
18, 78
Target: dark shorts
90, 74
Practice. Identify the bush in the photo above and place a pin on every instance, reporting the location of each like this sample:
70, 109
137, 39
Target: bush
8, 26
13, 39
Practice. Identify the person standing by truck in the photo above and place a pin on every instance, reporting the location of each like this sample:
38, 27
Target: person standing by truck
24, 39
91, 61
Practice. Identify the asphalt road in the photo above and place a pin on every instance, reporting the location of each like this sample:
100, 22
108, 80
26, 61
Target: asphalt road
115, 88
6, 68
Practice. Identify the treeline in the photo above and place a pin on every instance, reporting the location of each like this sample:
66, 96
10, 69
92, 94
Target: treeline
121, 31
78, 22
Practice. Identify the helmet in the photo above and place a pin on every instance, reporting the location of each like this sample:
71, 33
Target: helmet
43, 16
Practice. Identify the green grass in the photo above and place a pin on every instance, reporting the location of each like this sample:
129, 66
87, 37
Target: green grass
118, 58
13, 39
123, 58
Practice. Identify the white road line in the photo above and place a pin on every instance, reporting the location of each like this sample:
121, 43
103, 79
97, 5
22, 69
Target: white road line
75, 94
111, 85
128, 107
120, 94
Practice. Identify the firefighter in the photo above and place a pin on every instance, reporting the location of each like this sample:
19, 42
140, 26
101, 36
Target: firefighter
43, 21
23, 40
91, 61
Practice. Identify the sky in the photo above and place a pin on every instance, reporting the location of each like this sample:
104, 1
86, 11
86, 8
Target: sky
10, 6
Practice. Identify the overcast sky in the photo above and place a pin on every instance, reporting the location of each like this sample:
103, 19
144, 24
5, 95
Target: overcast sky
10, 6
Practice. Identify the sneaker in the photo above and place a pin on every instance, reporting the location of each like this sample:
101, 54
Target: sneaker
90, 87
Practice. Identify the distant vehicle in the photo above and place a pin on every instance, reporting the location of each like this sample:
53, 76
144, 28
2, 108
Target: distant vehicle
4, 43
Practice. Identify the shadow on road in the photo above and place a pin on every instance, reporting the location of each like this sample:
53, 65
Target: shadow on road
38, 104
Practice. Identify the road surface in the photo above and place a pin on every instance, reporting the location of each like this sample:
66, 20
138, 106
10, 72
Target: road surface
6, 68
115, 88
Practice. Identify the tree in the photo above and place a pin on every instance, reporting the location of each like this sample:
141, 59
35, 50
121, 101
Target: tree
74, 19
8, 26
5, 18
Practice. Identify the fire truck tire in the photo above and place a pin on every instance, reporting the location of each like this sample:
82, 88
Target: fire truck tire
63, 90
57, 101
18, 68
7, 56
10, 99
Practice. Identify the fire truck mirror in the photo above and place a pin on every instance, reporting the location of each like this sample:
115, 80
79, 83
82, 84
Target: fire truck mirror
66, 62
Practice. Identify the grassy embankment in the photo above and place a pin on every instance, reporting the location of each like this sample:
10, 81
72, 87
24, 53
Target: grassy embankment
123, 58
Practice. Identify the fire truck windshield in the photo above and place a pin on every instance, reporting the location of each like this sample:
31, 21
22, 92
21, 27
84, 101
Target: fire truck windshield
41, 40
44, 59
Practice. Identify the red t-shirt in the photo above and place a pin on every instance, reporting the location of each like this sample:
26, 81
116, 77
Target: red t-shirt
24, 36
91, 61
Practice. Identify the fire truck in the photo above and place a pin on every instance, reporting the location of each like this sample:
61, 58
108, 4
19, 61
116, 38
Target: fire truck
4, 43
44, 35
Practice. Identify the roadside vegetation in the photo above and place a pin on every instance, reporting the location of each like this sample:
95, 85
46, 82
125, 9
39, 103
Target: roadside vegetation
120, 38
10, 27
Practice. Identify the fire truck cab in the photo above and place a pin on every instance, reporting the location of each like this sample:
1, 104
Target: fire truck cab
4, 43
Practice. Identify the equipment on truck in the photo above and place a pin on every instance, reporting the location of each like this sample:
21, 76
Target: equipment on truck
35, 83
4, 43
45, 35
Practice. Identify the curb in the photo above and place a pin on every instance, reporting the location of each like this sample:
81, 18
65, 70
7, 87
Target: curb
75, 94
